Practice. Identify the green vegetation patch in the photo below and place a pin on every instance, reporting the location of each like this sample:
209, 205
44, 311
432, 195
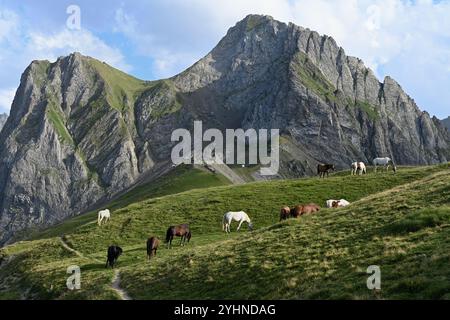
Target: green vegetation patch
421, 219
122, 89
57, 119
366, 107
253, 22
312, 77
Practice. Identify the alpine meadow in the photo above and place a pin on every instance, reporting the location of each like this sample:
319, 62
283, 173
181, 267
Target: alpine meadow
101, 200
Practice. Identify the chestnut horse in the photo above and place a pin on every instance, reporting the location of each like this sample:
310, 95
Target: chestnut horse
285, 213
310, 208
301, 210
182, 231
152, 246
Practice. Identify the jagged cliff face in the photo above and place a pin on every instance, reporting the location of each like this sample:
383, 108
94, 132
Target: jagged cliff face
3, 118
81, 132
446, 123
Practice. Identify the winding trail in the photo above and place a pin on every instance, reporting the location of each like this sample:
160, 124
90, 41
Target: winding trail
115, 284
69, 248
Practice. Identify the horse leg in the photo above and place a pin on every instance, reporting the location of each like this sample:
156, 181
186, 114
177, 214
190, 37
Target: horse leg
169, 243
240, 224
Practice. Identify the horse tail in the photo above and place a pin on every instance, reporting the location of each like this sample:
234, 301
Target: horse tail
169, 234
223, 223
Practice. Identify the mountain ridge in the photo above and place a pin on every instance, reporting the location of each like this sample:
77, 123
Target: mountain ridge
446, 122
91, 131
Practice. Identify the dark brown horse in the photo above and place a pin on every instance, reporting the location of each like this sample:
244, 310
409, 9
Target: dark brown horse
285, 213
323, 169
296, 211
152, 246
182, 231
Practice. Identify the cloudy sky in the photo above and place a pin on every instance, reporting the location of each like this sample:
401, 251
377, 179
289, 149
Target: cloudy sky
151, 39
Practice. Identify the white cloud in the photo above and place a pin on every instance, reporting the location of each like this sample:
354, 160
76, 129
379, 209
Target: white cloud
8, 25
166, 60
6, 99
50, 47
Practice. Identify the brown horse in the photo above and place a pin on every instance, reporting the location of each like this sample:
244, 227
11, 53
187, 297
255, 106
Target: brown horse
310, 208
323, 169
296, 211
152, 246
182, 231
301, 210
285, 213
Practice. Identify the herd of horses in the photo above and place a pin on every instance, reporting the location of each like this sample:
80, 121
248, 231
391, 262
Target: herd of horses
184, 232
358, 168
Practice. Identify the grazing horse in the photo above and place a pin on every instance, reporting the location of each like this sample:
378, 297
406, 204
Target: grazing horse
362, 168
285, 213
323, 169
296, 211
330, 203
301, 210
152, 246
310, 208
359, 168
113, 254
338, 203
240, 216
103, 215
182, 231
385, 162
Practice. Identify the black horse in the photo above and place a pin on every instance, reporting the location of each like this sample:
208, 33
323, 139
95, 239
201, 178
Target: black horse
182, 231
113, 254
323, 169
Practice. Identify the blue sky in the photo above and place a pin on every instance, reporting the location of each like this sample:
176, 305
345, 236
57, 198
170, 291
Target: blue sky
151, 39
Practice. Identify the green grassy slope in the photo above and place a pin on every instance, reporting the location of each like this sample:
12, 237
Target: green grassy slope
182, 178
404, 230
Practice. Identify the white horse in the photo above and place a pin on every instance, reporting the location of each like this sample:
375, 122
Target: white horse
359, 168
240, 216
385, 162
337, 203
103, 215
